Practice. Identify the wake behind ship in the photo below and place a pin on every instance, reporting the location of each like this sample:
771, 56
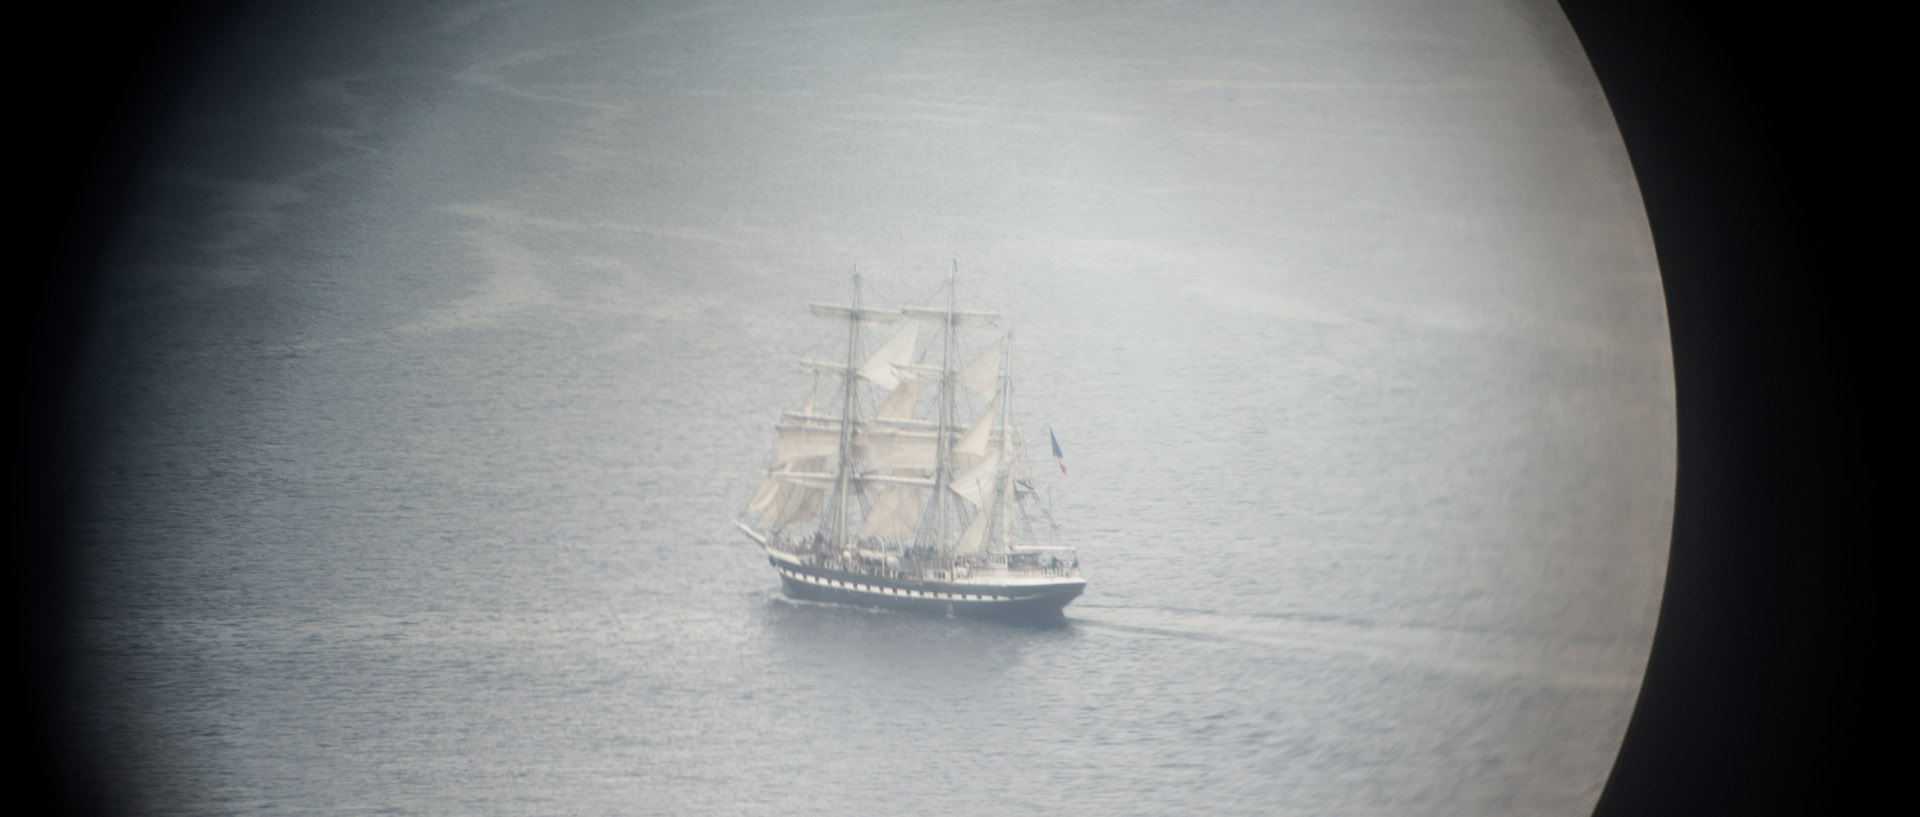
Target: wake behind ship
907, 490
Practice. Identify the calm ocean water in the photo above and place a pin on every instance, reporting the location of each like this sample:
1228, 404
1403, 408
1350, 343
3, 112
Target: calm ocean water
446, 343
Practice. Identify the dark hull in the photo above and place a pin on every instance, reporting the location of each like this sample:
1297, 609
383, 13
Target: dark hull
1012, 602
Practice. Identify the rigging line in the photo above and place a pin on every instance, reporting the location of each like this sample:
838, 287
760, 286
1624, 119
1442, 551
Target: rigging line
884, 289
930, 294
980, 302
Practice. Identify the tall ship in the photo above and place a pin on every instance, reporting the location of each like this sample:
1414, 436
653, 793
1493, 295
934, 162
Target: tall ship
899, 482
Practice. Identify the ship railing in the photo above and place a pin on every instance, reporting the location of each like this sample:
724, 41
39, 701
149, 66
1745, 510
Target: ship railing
1064, 570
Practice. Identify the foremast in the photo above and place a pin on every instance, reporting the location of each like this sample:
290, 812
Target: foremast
943, 468
853, 437
843, 476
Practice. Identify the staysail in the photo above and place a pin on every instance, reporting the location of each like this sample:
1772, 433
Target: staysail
879, 369
895, 513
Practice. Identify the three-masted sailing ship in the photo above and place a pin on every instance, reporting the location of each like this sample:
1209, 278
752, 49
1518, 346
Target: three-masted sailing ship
906, 490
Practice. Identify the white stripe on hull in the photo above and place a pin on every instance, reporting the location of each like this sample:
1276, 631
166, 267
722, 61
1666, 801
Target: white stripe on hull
1045, 603
890, 592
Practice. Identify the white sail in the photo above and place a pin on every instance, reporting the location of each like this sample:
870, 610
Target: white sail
996, 518
978, 480
976, 531
883, 449
896, 512
799, 474
898, 351
877, 446
800, 441
974, 442
983, 374
899, 404
859, 482
793, 502
763, 495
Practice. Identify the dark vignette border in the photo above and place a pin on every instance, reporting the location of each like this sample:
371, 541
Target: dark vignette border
1759, 133
93, 84
1764, 138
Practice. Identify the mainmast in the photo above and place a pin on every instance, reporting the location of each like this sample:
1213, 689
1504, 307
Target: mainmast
843, 479
944, 452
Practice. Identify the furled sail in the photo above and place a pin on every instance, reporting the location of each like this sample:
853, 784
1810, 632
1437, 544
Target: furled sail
961, 320
842, 312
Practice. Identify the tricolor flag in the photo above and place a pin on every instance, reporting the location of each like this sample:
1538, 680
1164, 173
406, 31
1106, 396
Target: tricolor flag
1057, 456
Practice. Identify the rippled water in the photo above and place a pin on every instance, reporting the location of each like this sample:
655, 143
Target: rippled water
447, 343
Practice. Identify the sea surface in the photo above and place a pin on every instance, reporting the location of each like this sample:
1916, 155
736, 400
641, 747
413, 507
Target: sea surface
444, 344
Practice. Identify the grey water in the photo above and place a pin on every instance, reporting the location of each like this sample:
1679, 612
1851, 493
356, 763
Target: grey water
445, 342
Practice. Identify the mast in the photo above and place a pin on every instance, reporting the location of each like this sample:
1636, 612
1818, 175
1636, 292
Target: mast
844, 477
996, 524
943, 451
944, 444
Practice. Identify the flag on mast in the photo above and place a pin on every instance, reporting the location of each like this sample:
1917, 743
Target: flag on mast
1057, 456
